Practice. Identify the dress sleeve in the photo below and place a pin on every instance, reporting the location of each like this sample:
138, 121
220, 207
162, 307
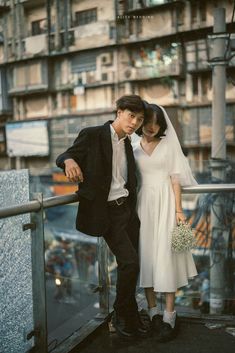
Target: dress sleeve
173, 165
178, 167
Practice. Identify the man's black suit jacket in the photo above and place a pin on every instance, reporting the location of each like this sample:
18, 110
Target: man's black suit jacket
92, 150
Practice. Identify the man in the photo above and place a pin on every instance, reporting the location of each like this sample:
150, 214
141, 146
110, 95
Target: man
102, 160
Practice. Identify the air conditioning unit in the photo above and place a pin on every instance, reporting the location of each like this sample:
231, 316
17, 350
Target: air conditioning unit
106, 59
130, 73
107, 76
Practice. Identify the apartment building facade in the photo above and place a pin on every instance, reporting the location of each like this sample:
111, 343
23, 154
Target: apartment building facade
66, 62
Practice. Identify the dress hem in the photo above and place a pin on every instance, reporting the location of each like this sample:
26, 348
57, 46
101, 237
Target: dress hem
169, 290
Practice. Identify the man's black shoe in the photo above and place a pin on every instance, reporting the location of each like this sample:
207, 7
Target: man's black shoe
123, 326
141, 329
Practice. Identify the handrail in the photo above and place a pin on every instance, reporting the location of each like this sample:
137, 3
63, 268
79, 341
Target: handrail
35, 206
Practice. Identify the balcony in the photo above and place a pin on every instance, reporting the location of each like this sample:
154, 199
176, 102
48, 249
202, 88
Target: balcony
4, 5
145, 5
28, 78
150, 72
92, 36
55, 312
28, 89
36, 45
32, 3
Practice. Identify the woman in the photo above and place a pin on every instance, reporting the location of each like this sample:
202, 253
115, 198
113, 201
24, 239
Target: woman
162, 170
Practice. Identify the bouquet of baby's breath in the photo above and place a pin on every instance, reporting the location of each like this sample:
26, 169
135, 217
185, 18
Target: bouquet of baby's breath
183, 238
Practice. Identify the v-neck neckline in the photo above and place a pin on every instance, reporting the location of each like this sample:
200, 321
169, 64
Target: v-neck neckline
150, 155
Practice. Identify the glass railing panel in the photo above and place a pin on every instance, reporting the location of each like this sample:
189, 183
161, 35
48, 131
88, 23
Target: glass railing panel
71, 261
72, 280
213, 290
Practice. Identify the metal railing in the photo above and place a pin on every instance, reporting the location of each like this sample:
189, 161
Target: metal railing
35, 205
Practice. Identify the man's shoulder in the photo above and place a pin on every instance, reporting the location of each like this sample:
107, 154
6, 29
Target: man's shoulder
93, 129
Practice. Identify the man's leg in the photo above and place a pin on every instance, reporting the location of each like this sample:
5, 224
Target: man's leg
122, 239
122, 247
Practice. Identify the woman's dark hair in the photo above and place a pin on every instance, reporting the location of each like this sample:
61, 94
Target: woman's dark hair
131, 102
150, 111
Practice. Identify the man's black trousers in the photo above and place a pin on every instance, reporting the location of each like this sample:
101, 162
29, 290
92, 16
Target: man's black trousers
122, 238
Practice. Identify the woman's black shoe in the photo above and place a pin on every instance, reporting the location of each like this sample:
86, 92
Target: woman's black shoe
167, 333
156, 323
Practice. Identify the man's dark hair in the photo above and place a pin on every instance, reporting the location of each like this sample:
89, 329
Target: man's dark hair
131, 102
150, 110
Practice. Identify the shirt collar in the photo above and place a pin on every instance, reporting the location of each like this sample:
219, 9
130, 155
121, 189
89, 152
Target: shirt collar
115, 135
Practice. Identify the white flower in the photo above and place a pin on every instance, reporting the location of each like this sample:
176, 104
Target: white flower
183, 238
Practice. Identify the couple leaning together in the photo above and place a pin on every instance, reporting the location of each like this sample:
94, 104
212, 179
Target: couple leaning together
130, 193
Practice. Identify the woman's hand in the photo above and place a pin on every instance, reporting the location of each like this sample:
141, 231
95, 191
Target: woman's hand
180, 217
73, 171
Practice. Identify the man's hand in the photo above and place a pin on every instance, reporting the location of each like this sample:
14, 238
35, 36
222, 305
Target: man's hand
73, 171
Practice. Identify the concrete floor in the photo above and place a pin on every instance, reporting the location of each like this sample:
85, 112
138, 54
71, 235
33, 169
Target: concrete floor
194, 337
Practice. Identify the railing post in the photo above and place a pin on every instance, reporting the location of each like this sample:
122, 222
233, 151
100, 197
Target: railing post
218, 154
103, 278
38, 274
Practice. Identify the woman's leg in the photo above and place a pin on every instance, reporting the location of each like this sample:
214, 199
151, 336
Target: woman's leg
169, 315
170, 302
169, 328
153, 310
151, 297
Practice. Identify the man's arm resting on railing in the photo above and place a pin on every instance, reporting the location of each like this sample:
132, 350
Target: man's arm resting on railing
73, 171
73, 157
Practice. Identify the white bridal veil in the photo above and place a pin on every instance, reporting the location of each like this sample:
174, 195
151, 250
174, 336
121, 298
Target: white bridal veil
179, 164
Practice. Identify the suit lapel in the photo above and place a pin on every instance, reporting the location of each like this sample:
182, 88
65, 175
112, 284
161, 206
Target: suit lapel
107, 146
130, 164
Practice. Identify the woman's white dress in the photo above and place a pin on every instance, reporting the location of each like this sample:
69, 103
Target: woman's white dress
160, 268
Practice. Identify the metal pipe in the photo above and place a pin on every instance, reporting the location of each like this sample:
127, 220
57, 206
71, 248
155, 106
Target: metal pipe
60, 200
208, 188
34, 206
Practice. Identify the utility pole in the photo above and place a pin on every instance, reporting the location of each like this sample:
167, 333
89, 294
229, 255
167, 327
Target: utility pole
218, 161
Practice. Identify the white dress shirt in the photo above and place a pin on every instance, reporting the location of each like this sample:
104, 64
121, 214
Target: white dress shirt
119, 167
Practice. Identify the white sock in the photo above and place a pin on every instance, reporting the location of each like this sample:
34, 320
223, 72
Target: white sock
169, 317
153, 311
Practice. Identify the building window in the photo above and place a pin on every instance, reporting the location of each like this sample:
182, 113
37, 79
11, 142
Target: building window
85, 17
112, 32
202, 9
195, 85
206, 83
64, 100
139, 27
181, 15
194, 12
73, 102
38, 27
131, 27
